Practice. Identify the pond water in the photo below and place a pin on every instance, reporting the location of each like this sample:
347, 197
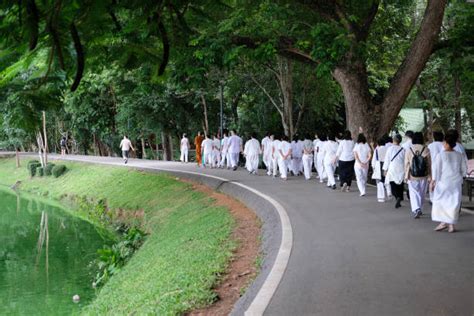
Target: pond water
44, 258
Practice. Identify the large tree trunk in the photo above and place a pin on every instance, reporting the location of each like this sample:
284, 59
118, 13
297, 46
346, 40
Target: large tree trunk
285, 66
165, 141
362, 115
17, 155
143, 148
206, 121
45, 148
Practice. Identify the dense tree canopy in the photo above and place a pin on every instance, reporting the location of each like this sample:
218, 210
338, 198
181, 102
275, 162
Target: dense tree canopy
155, 69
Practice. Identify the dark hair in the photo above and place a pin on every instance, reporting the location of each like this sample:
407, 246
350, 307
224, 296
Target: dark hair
307, 136
397, 138
284, 137
322, 136
361, 138
124, 135
269, 134
253, 134
381, 141
418, 139
438, 136
347, 135
409, 134
454, 133
388, 139
451, 138
331, 136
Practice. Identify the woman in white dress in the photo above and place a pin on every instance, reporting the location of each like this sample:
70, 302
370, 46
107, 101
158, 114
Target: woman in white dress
362, 156
330, 149
447, 185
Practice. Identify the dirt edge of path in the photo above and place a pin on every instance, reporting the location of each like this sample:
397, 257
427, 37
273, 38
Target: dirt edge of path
243, 266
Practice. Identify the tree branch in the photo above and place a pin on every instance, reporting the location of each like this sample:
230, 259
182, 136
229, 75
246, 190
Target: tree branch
79, 56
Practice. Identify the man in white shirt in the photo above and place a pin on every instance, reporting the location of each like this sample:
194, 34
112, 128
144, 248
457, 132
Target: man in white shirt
267, 152
235, 148
296, 156
224, 151
207, 146
126, 145
275, 155
284, 158
318, 144
216, 151
184, 147
251, 152
307, 157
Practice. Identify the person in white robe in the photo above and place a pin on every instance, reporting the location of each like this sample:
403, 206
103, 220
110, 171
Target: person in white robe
207, 147
330, 162
267, 152
184, 147
225, 161
394, 169
459, 147
251, 153
295, 165
319, 156
435, 148
275, 155
284, 152
377, 164
447, 185
235, 148
388, 189
362, 155
307, 157
216, 151
417, 184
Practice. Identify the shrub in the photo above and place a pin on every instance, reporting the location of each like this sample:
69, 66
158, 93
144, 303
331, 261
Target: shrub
32, 165
48, 170
40, 171
58, 170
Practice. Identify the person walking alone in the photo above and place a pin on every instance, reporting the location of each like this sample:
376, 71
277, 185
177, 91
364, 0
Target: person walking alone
184, 147
417, 173
362, 157
125, 146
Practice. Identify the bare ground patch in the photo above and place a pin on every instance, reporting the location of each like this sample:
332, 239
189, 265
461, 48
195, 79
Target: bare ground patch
242, 268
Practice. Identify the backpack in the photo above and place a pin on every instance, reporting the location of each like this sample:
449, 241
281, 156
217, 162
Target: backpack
419, 164
63, 142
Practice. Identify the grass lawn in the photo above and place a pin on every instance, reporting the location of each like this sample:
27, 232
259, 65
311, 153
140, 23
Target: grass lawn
188, 247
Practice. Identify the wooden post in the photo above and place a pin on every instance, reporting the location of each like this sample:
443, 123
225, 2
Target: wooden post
45, 140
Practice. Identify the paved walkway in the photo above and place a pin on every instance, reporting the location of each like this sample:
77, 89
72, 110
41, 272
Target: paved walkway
354, 256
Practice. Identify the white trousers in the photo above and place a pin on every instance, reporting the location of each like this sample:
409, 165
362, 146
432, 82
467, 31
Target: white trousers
380, 190
361, 176
275, 166
267, 160
184, 155
296, 165
234, 159
388, 188
319, 164
283, 166
307, 165
216, 157
224, 159
417, 190
207, 159
330, 169
251, 163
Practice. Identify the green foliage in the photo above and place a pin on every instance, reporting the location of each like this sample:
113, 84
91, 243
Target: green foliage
113, 258
32, 165
39, 171
58, 170
48, 170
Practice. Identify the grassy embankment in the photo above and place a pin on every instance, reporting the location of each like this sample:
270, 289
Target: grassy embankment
188, 244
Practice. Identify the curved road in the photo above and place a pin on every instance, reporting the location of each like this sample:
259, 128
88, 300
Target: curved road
354, 256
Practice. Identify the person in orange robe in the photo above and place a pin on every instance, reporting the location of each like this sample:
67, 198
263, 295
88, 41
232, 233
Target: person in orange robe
197, 142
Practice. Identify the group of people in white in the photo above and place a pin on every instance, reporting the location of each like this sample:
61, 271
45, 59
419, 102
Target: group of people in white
438, 168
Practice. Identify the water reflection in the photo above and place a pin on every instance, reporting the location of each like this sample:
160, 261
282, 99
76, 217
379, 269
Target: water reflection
44, 256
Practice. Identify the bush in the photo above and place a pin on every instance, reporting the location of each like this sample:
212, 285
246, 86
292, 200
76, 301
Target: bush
32, 165
40, 171
48, 170
58, 170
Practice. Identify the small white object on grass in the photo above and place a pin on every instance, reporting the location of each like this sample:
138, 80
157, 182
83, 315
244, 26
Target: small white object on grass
76, 298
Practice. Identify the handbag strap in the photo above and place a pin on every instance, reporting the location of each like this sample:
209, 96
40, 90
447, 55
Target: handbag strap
396, 154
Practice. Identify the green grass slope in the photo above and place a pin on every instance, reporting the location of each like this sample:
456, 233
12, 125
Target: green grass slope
188, 247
